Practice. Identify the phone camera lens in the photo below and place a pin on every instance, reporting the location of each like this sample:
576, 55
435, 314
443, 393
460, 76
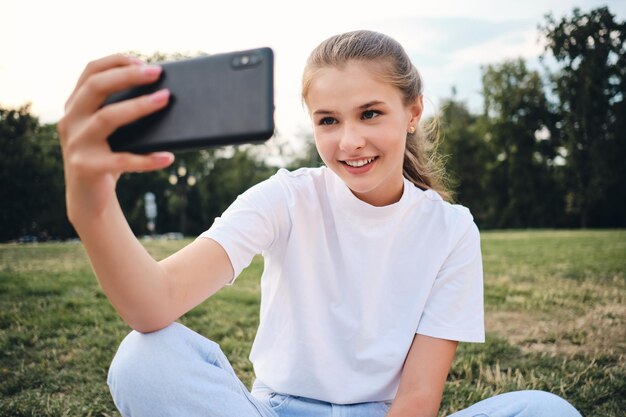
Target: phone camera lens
246, 60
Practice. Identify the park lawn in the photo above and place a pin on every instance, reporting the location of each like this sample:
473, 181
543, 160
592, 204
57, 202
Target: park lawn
555, 316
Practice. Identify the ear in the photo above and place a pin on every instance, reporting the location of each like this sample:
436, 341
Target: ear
416, 108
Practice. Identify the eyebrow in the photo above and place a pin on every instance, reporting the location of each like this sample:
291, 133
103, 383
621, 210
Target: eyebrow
361, 107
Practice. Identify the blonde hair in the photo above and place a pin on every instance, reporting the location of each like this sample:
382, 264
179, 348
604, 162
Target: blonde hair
422, 166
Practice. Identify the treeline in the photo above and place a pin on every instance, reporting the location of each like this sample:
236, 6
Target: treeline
198, 187
549, 148
547, 151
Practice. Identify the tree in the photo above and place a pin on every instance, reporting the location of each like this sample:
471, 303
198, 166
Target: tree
229, 176
32, 193
590, 87
519, 182
465, 153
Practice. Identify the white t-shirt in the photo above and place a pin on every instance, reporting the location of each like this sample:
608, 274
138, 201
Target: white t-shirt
346, 285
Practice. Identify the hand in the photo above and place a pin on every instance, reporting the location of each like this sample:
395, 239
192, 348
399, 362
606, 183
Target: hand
91, 168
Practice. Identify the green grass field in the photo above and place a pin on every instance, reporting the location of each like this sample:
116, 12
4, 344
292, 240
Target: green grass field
555, 313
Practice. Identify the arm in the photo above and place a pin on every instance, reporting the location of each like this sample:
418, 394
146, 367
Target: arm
423, 376
148, 295
454, 310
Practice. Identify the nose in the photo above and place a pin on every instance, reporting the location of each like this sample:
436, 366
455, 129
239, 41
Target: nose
351, 139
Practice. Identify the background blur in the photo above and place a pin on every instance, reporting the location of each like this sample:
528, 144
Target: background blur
530, 97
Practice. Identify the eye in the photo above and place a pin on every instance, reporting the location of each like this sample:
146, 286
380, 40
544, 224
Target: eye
370, 114
327, 121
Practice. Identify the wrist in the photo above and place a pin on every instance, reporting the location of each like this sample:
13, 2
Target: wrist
89, 200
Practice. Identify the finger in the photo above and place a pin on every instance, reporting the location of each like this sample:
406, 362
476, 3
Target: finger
99, 86
99, 65
106, 120
129, 162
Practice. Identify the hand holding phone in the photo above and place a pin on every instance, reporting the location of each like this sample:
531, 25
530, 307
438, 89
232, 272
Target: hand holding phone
215, 100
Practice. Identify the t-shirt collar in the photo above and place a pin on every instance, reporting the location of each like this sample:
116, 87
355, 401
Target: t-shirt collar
360, 208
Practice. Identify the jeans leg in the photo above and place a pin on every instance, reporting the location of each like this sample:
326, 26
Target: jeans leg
521, 404
177, 372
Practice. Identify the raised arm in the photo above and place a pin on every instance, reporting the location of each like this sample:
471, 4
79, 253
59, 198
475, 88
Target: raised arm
423, 377
148, 295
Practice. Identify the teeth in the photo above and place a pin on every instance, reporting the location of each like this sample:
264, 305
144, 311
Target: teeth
359, 162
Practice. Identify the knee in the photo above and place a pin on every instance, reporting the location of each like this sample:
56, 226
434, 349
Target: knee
159, 371
143, 359
546, 403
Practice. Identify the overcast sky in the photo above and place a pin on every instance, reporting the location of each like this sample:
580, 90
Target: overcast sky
44, 45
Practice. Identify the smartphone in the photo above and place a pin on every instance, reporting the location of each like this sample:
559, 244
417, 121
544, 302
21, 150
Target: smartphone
216, 100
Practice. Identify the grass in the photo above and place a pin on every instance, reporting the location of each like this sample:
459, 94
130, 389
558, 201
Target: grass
555, 313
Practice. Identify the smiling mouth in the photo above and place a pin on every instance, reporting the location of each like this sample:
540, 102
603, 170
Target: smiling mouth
357, 163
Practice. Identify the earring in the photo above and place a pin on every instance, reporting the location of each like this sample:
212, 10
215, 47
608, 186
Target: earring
411, 130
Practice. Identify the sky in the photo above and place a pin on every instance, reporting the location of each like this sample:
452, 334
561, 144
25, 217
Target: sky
44, 45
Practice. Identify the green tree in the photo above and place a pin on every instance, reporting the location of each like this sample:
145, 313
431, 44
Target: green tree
186, 199
519, 182
463, 146
51, 214
32, 193
590, 87
229, 175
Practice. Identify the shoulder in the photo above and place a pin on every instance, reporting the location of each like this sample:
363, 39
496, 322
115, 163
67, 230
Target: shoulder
284, 178
301, 175
302, 180
287, 187
453, 219
449, 211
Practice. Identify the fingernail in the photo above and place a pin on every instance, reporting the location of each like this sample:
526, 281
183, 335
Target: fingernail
163, 157
160, 97
151, 70
135, 61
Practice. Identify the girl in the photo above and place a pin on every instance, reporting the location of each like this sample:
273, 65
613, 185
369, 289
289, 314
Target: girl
371, 278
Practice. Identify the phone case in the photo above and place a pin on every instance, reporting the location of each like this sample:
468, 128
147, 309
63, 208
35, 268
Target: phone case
215, 100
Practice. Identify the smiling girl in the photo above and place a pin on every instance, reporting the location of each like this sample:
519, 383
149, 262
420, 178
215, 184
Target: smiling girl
370, 281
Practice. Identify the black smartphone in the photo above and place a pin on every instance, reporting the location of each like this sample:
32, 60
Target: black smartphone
215, 100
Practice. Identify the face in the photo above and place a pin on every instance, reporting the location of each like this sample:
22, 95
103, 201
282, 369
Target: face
360, 126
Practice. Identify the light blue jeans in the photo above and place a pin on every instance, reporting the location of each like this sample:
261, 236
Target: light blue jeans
177, 372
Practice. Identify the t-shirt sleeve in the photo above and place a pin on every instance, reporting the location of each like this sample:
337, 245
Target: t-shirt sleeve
454, 309
252, 223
